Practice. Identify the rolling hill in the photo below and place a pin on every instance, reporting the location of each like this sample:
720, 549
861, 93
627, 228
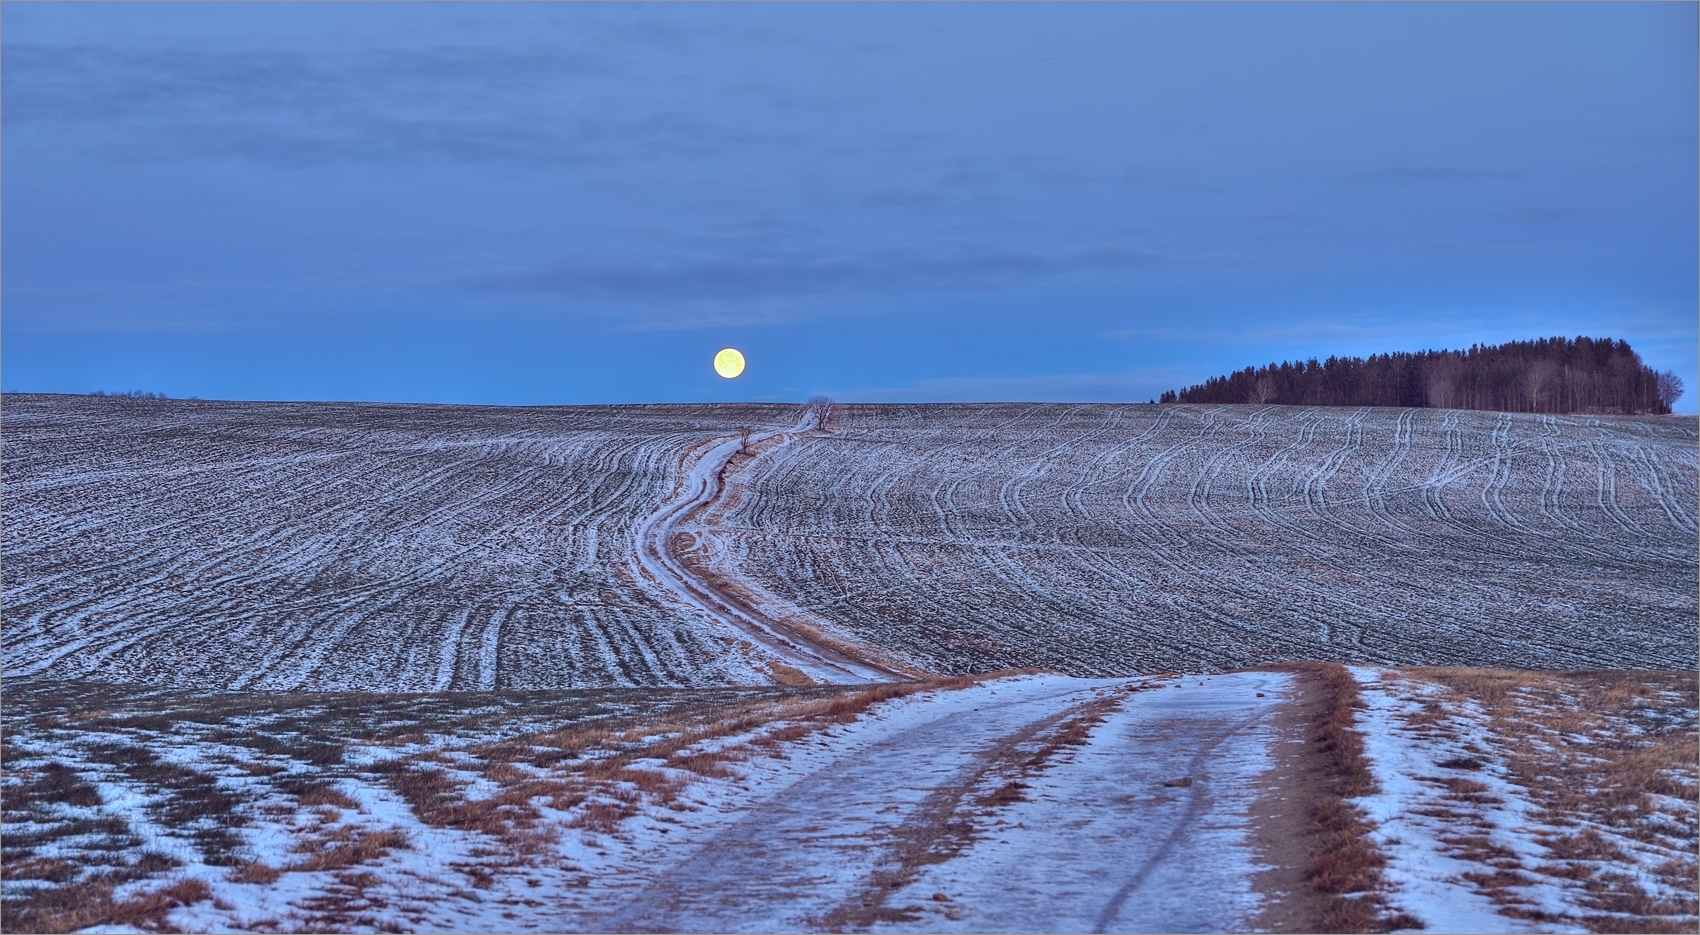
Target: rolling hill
409, 547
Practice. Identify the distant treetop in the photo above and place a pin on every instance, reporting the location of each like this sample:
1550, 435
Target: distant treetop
1556, 375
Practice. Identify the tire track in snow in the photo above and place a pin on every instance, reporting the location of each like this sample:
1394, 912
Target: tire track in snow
1392, 556
656, 538
810, 845
1196, 805
219, 541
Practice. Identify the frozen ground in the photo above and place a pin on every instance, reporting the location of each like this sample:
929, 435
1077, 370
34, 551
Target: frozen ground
1040, 802
422, 548
363, 547
1105, 540
413, 636
1530, 802
1030, 803
1142, 828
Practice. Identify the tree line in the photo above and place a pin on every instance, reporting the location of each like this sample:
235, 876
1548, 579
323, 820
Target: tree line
1556, 375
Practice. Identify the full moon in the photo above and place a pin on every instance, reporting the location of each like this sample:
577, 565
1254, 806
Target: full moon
729, 363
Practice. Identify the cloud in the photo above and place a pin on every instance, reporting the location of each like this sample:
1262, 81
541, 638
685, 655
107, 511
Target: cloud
92, 83
458, 103
730, 277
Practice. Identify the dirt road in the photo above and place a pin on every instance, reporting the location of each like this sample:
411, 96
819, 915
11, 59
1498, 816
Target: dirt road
1074, 805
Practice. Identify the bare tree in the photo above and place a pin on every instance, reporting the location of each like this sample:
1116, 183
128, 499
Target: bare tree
1670, 388
821, 406
744, 432
1439, 392
1442, 379
1535, 380
1263, 391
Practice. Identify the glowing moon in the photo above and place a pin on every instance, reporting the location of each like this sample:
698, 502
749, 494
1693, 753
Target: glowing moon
729, 363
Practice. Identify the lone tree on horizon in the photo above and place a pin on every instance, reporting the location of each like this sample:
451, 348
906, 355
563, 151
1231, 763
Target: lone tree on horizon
821, 405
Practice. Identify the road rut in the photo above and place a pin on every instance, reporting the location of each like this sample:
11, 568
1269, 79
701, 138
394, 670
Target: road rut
1088, 837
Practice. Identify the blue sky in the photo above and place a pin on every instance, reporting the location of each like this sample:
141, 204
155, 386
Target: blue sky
538, 203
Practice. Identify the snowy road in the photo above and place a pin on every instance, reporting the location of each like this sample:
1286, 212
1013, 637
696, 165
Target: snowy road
1021, 815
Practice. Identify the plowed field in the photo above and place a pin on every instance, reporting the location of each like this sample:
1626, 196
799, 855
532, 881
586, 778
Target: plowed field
1105, 540
405, 548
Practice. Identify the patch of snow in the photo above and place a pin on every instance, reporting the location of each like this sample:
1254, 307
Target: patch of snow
1426, 878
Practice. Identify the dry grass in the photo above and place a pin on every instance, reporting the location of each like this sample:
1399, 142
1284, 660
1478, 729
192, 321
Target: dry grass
313, 793
346, 846
607, 771
54, 783
599, 758
1007, 794
1596, 751
1343, 863
256, 873
75, 893
90, 903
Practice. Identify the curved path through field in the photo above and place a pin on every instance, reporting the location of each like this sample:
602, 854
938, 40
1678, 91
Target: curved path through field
1141, 823
658, 558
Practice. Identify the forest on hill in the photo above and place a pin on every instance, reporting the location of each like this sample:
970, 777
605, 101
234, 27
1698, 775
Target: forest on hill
1548, 375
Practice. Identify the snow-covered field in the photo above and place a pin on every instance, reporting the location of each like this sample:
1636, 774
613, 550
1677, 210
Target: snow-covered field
1104, 540
362, 547
307, 667
417, 548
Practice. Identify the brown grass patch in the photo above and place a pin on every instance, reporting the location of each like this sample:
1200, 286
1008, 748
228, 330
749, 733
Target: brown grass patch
787, 675
90, 903
346, 846
1007, 794
60, 909
604, 817
149, 909
1586, 845
256, 873
1343, 863
712, 764
52, 783
313, 793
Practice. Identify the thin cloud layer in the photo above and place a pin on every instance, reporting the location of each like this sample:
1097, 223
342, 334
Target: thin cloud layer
886, 272
993, 183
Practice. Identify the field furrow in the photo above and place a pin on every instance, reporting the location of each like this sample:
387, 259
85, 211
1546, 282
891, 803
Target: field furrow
321, 546
1198, 537
331, 546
